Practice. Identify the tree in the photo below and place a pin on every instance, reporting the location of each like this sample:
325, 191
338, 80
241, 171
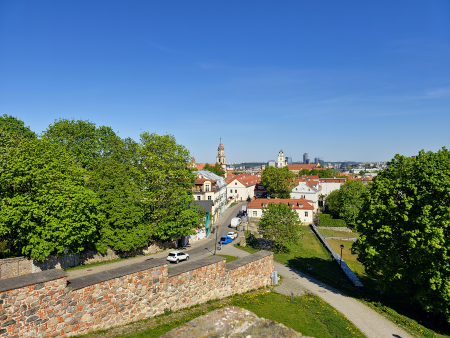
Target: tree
303, 172
167, 187
216, 169
333, 202
13, 125
45, 206
277, 181
350, 201
314, 172
8, 143
362, 172
328, 173
404, 227
83, 139
281, 224
117, 186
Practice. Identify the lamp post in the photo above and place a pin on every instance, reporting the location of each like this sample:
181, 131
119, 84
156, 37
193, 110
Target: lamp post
340, 265
215, 244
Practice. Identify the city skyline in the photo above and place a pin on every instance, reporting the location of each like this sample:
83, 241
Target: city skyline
359, 81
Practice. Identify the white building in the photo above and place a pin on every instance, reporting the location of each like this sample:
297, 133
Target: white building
330, 184
308, 189
222, 186
303, 207
242, 187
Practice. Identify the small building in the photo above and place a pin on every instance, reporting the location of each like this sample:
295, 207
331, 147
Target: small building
308, 188
302, 206
242, 187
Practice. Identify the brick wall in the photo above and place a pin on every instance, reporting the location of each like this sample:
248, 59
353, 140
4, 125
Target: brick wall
45, 304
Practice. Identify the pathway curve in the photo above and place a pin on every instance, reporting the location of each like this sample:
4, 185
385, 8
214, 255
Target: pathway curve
371, 323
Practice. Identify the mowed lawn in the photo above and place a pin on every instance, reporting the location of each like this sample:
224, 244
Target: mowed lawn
335, 233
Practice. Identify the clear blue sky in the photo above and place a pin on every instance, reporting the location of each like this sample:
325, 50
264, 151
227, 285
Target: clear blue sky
346, 80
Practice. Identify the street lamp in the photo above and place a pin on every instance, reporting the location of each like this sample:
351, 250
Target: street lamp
340, 265
215, 244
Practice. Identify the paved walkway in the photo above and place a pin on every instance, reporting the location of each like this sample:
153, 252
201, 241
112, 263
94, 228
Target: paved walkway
372, 324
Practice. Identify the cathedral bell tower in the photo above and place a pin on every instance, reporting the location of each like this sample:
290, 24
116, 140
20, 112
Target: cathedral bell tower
221, 156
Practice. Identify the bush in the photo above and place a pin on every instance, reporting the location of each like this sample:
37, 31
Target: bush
327, 220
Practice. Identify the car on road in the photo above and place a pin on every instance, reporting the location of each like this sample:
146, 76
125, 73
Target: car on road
225, 240
177, 256
232, 234
239, 214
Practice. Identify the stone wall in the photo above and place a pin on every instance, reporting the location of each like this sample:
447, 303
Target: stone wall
45, 304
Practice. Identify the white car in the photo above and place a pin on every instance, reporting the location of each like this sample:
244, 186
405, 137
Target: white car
177, 256
232, 234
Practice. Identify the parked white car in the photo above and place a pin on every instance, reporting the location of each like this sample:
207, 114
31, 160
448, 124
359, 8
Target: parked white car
232, 234
177, 256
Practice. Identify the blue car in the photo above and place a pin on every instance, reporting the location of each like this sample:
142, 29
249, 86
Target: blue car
225, 240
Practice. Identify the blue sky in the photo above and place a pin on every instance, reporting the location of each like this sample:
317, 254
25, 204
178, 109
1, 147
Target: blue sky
345, 80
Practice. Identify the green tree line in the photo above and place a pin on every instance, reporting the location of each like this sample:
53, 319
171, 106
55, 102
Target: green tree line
79, 186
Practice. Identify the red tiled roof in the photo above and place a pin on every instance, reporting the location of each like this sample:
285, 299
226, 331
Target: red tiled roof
332, 180
246, 179
301, 166
203, 180
297, 203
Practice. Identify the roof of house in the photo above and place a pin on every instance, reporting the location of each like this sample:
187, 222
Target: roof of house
246, 179
205, 205
203, 180
301, 166
296, 203
332, 180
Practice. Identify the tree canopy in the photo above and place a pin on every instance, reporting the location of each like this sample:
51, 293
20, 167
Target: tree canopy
13, 125
281, 224
166, 185
45, 204
216, 169
350, 199
328, 173
404, 227
83, 139
277, 181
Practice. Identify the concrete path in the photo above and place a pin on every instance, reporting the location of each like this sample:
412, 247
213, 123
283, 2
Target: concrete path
196, 250
372, 324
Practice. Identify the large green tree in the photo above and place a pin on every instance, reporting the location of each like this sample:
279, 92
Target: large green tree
404, 227
281, 224
45, 206
117, 185
167, 187
13, 125
333, 202
87, 142
328, 173
277, 181
350, 201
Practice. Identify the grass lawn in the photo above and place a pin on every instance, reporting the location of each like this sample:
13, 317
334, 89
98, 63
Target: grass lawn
327, 220
310, 252
229, 258
335, 233
308, 314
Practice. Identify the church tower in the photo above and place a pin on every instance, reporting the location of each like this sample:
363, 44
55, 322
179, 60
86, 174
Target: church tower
221, 156
281, 159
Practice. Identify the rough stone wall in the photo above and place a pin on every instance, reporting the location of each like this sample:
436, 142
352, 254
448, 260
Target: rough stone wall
12, 267
50, 309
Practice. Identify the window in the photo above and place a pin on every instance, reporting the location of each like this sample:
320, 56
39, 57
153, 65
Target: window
235, 191
209, 198
231, 191
306, 214
255, 213
198, 198
235, 183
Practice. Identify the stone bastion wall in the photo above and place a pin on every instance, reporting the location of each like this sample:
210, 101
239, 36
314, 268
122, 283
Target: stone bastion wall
46, 304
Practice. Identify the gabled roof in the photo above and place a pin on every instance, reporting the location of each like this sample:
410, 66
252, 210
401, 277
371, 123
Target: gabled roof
203, 180
246, 179
296, 203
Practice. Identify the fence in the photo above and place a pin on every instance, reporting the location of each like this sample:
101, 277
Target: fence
350, 274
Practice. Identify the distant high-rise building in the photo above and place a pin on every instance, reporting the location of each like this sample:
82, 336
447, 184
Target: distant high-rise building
288, 160
305, 158
316, 160
271, 163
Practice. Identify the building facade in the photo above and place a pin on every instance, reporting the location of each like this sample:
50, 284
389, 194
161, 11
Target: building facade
242, 187
281, 162
221, 156
221, 185
302, 206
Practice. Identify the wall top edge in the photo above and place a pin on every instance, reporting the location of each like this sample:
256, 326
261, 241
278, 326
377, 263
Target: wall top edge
103, 276
30, 279
193, 265
248, 259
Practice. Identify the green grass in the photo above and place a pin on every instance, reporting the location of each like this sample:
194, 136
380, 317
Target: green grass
327, 220
311, 253
335, 233
308, 314
247, 248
